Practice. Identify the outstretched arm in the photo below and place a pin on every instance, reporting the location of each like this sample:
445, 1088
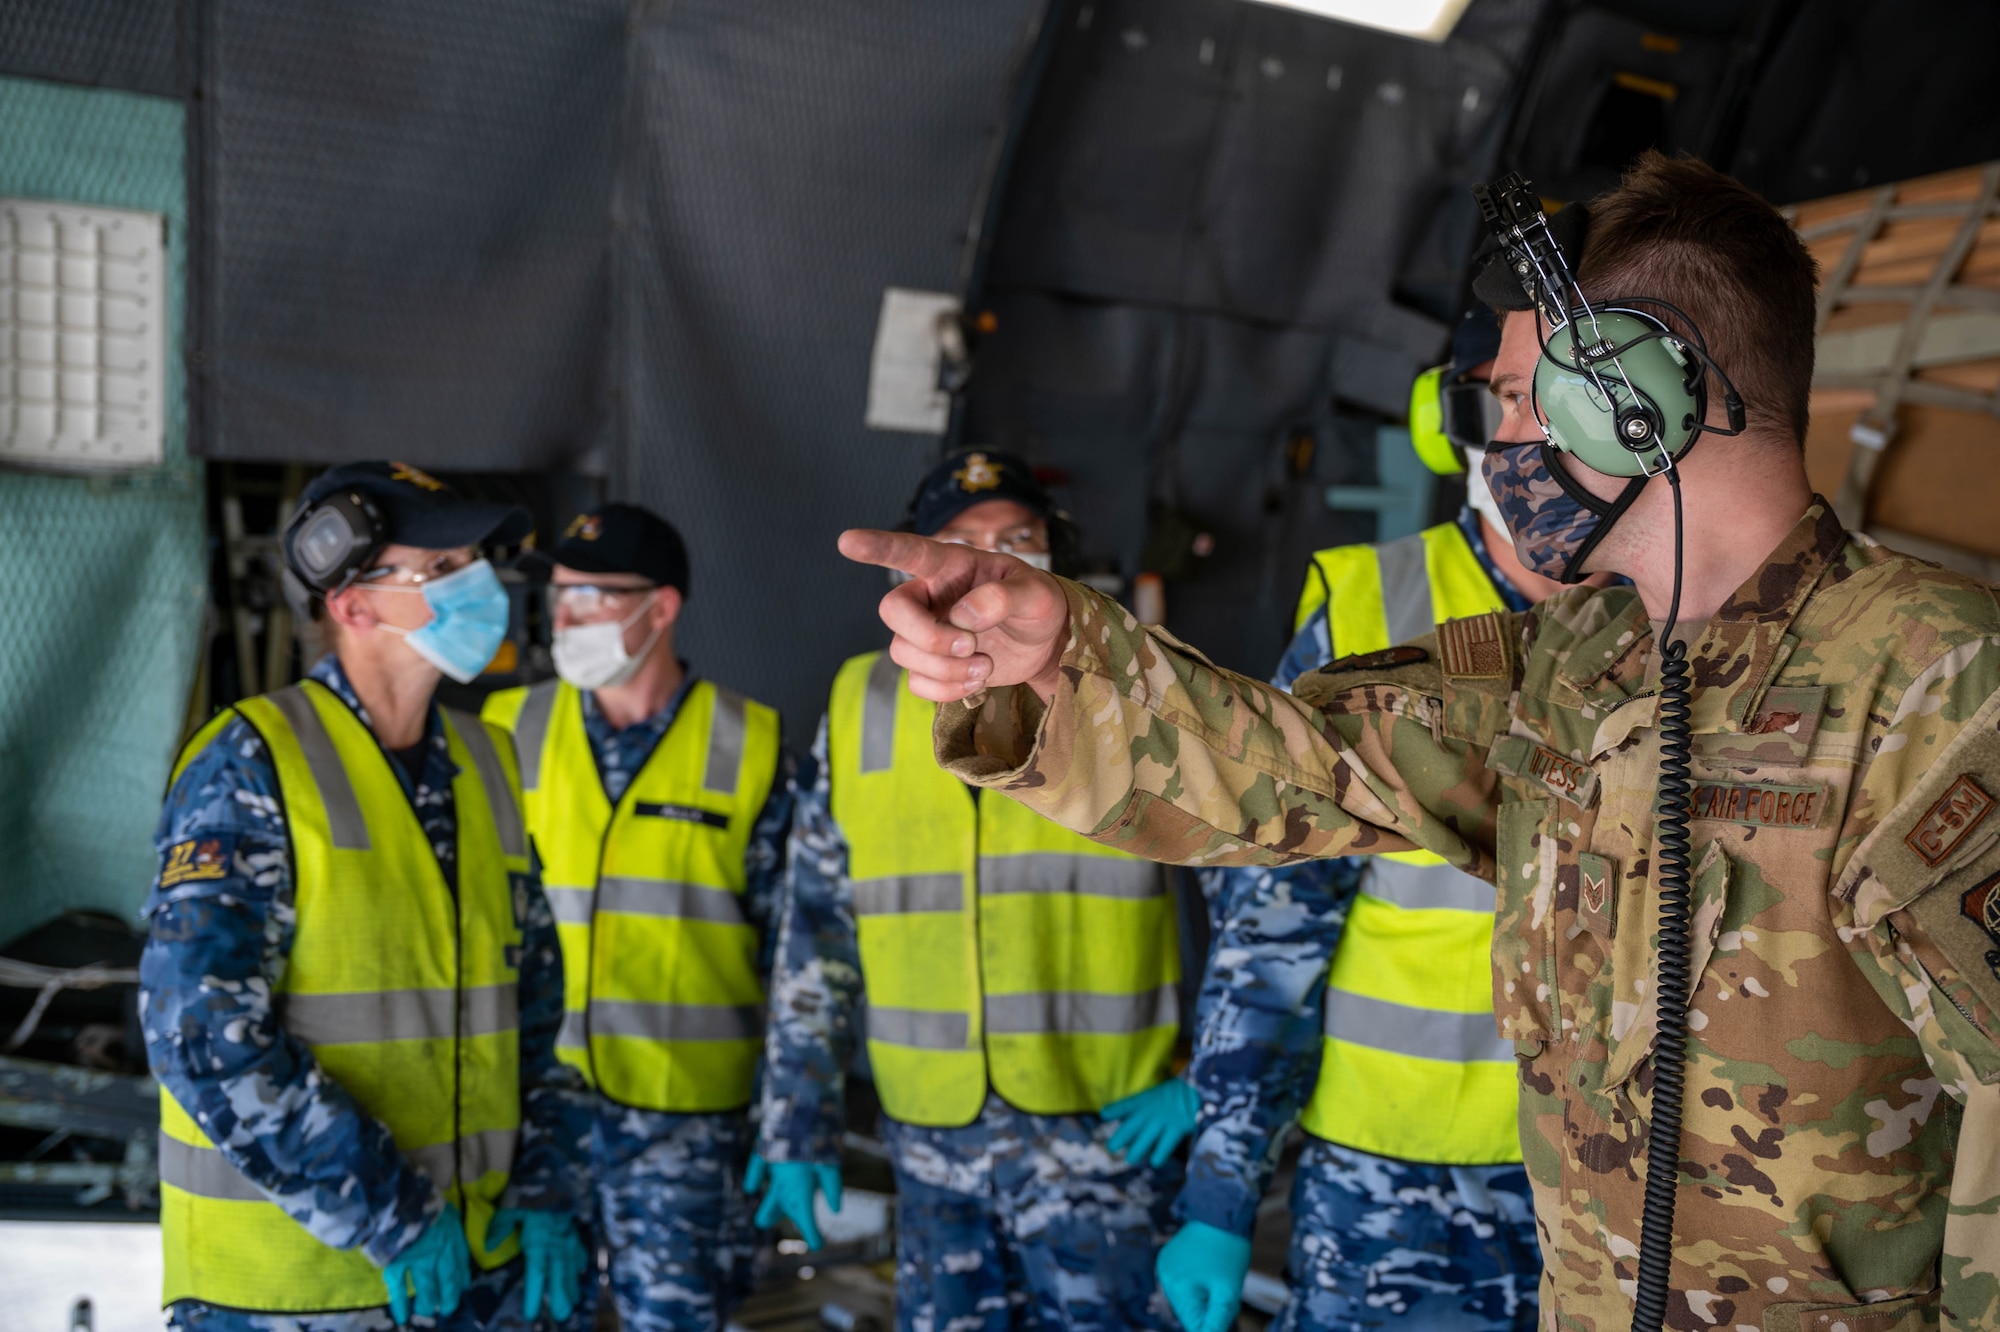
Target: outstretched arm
1126, 735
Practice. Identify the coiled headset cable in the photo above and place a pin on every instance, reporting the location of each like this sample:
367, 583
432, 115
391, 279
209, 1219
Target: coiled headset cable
1671, 842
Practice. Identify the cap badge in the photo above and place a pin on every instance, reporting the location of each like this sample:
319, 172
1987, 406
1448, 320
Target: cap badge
585, 527
979, 473
400, 471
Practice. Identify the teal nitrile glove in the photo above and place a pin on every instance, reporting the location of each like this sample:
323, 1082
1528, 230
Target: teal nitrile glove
1153, 1122
556, 1257
436, 1265
1201, 1270
792, 1186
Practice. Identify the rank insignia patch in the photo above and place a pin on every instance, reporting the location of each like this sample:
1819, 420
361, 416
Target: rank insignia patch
1963, 807
1596, 894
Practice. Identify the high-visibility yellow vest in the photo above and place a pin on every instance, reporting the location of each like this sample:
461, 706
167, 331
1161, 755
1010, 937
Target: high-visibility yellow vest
407, 993
663, 1007
1411, 1065
996, 946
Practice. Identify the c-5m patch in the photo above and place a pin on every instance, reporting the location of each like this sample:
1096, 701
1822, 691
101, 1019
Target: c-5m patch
1474, 649
1384, 660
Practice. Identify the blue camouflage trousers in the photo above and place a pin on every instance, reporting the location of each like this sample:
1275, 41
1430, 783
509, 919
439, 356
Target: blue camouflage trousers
492, 1303
1382, 1243
1026, 1223
672, 1214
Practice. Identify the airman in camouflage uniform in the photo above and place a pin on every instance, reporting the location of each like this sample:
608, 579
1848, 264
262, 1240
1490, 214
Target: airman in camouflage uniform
1836, 1165
216, 1041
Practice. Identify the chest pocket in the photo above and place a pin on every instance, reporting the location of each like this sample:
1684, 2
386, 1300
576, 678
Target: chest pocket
1634, 1017
1524, 930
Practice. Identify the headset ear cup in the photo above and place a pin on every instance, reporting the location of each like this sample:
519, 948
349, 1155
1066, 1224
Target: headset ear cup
1630, 359
331, 540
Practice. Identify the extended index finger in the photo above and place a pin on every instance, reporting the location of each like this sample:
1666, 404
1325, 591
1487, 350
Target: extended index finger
914, 555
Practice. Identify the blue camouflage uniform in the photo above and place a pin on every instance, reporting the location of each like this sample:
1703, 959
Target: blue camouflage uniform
1375, 1241
216, 948
1014, 1221
670, 1205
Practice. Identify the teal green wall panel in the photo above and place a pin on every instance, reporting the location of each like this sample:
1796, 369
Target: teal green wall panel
102, 578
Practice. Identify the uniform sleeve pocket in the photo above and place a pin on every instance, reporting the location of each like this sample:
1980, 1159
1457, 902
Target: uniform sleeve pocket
1524, 922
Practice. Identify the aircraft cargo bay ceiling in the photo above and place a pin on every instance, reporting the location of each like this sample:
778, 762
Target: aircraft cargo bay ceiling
1200, 245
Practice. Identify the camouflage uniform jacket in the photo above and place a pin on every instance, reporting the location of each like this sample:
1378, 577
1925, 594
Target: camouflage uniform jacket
1257, 1022
1846, 865
218, 946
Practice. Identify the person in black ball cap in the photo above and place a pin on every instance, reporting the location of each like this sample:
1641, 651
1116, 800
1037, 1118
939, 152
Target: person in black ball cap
658, 801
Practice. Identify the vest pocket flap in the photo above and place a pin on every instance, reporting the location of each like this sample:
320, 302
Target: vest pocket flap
1911, 1313
1635, 1016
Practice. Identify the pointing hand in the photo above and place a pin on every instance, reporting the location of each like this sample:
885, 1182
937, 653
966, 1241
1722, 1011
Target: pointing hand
967, 618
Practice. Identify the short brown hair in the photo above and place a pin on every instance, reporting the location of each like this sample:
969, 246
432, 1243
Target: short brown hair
1678, 229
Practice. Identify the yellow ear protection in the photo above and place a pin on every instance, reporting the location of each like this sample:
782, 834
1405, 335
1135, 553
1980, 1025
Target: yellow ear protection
1448, 417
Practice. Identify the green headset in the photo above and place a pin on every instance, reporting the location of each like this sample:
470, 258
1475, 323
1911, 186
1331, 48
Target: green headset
1615, 387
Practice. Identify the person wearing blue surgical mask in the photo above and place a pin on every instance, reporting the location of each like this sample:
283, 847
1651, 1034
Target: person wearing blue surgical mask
338, 1146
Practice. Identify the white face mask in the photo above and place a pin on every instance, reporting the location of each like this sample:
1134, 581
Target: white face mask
1035, 559
593, 656
1479, 495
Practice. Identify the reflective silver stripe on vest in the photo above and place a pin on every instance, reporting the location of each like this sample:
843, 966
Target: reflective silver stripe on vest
919, 1029
675, 1022
570, 906
204, 1172
878, 715
343, 812
903, 894
1425, 887
661, 897
725, 743
531, 729
477, 1154
1067, 1012
1060, 872
574, 1034
1460, 1038
396, 1015
1406, 588
478, 742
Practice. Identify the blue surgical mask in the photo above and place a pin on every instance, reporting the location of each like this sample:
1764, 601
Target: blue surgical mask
468, 620
1555, 523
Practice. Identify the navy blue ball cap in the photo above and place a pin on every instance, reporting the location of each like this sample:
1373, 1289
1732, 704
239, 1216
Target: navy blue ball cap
617, 539
1501, 288
417, 509
974, 476
1474, 342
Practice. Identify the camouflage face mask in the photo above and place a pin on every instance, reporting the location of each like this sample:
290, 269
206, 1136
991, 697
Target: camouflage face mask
1555, 523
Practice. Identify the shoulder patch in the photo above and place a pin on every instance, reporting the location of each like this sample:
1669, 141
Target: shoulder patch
1386, 659
1474, 649
195, 859
1963, 807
